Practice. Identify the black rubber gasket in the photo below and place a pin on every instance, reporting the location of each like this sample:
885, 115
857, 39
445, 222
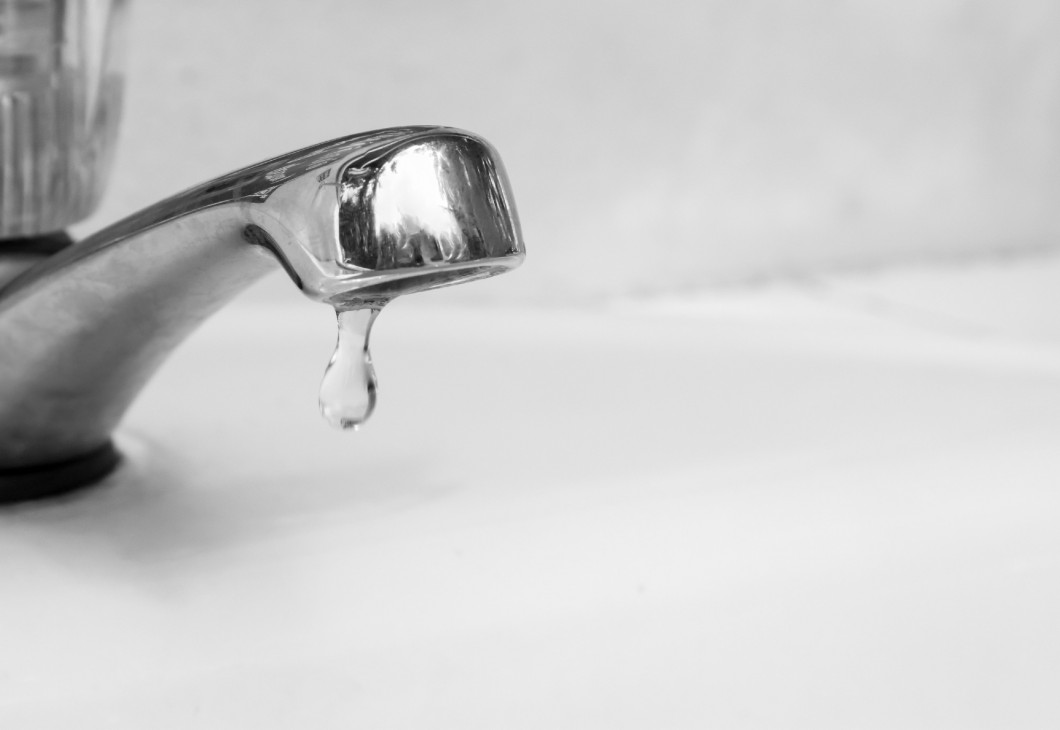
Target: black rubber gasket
25, 484
45, 245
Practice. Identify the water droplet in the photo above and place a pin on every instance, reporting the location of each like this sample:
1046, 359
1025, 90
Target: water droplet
347, 392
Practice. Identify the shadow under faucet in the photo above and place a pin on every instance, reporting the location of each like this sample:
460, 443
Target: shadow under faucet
354, 222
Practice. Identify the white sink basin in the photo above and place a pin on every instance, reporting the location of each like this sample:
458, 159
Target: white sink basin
757, 513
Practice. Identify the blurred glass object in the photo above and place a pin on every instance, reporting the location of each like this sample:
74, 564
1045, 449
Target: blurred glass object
60, 102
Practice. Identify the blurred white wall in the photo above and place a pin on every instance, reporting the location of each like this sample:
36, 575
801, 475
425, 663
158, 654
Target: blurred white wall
651, 146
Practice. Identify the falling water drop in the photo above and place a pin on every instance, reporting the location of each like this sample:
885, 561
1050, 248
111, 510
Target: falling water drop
347, 392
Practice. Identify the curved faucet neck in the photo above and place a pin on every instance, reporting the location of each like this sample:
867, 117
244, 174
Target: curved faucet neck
83, 331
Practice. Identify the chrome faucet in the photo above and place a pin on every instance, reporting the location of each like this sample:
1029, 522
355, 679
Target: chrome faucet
354, 222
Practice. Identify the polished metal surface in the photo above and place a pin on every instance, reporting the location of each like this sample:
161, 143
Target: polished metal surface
353, 221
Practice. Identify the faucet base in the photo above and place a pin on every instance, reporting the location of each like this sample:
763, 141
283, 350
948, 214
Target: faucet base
27, 484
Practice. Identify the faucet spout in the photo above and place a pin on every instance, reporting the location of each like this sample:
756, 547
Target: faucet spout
354, 222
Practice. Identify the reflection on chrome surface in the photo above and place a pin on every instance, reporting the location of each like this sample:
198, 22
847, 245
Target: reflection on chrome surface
440, 201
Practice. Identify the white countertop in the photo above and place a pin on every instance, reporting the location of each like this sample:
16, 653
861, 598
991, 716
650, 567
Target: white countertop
769, 508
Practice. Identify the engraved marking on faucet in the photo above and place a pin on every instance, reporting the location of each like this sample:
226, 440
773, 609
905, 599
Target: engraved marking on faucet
324, 175
279, 174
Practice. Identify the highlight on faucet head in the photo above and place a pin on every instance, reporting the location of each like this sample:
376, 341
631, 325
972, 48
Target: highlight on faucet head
415, 208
